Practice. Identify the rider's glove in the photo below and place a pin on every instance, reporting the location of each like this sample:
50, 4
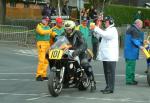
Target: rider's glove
56, 38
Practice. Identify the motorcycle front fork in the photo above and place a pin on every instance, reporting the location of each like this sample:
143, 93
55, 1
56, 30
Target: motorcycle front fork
62, 71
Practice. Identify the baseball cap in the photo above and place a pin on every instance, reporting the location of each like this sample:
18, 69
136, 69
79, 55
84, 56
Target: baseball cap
46, 18
59, 20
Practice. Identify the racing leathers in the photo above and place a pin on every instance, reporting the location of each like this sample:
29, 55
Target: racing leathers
80, 48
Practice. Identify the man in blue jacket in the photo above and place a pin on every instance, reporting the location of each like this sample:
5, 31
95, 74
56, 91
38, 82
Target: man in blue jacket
133, 43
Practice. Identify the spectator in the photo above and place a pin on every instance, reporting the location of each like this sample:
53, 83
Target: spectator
53, 12
96, 41
146, 23
26, 3
133, 42
47, 11
138, 15
65, 9
84, 29
93, 14
12, 3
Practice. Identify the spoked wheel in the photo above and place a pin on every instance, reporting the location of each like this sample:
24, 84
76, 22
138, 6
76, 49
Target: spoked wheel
84, 83
148, 76
54, 85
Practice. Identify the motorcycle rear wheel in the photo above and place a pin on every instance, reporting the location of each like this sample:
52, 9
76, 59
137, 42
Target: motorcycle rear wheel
84, 83
54, 86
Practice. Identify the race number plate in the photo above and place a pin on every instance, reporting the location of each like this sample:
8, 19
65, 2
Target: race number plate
55, 54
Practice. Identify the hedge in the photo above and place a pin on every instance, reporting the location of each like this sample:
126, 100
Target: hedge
125, 14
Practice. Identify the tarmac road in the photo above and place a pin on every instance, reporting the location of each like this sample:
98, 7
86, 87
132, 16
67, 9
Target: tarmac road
18, 85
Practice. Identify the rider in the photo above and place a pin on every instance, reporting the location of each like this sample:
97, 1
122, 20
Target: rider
79, 45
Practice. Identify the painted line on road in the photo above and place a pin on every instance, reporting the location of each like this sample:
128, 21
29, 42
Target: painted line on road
17, 79
118, 75
42, 95
17, 73
18, 94
92, 98
123, 75
29, 80
26, 54
31, 99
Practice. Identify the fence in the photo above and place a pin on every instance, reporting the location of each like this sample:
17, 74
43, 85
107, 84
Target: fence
19, 34
25, 37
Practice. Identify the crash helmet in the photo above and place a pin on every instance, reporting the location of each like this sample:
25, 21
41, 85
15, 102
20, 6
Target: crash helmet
69, 27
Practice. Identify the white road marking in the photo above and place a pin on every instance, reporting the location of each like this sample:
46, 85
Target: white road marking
18, 94
42, 95
17, 80
31, 99
16, 73
118, 75
92, 98
26, 52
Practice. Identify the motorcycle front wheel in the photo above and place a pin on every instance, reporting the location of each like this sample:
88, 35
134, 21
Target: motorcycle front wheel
54, 85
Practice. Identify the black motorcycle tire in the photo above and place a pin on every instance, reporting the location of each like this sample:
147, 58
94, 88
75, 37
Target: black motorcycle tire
148, 76
84, 83
54, 86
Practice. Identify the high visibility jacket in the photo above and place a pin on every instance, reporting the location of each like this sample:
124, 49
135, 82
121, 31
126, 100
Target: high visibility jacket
43, 33
84, 31
57, 30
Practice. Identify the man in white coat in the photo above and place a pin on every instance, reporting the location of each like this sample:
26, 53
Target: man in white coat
108, 51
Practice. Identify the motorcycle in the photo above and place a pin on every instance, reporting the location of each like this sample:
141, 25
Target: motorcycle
65, 70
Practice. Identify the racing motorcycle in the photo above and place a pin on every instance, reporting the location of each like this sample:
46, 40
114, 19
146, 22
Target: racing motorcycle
65, 70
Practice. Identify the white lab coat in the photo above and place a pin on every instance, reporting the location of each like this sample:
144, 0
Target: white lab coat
109, 47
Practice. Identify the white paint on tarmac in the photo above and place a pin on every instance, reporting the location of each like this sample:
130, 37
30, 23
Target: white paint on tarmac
119, 75
26, 52
19, 94
43, 95
129, 100
17, 80
17, 73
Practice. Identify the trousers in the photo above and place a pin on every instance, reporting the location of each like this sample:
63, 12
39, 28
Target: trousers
109, 72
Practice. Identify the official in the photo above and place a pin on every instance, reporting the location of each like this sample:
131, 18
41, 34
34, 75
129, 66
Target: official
43, 34
108, 52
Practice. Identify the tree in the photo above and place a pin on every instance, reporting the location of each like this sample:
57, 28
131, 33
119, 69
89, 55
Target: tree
2, 11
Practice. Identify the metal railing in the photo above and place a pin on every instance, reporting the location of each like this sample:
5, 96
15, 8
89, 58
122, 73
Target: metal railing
19, 34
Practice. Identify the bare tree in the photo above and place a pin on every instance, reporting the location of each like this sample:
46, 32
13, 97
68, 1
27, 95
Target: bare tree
2, 11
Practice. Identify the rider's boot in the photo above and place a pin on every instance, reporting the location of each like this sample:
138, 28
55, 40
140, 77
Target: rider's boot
93, 83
